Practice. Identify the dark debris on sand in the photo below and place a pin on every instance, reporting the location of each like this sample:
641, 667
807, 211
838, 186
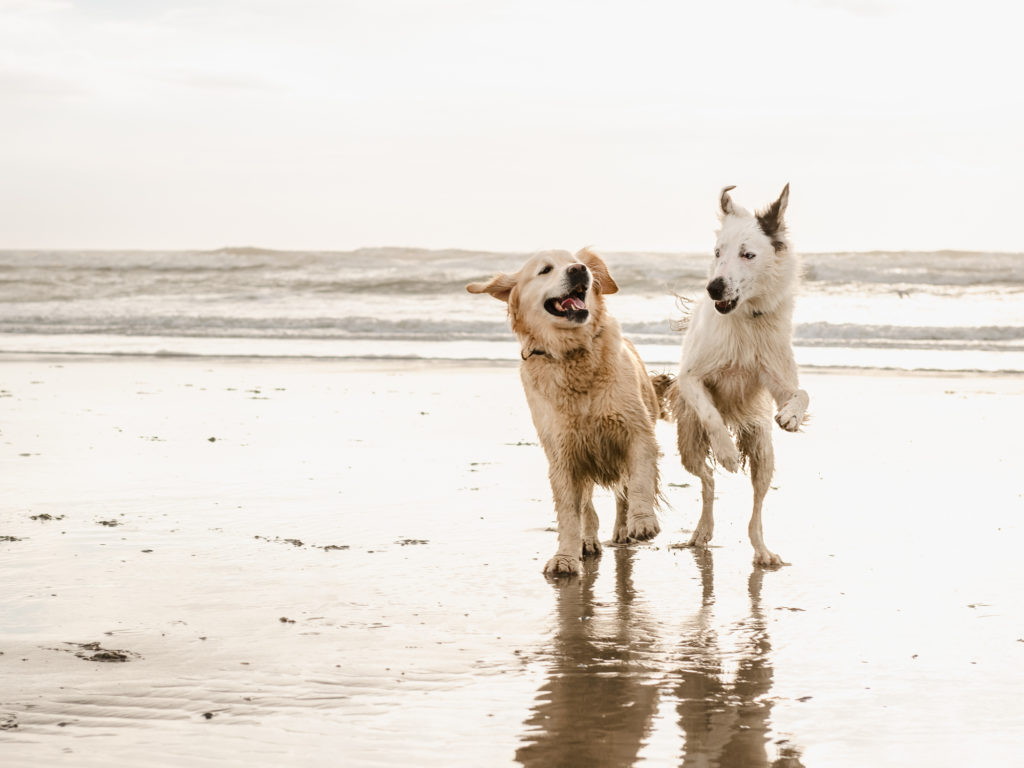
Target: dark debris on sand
300, 543
293, 542
94, 652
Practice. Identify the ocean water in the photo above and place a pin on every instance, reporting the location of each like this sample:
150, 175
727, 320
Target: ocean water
909, 310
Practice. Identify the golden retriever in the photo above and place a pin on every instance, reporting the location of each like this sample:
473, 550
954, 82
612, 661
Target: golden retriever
592, 401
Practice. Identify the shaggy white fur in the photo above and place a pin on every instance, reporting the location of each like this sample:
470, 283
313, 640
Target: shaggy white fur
738, 357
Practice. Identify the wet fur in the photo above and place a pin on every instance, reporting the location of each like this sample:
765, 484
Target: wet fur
734, 365
593, 404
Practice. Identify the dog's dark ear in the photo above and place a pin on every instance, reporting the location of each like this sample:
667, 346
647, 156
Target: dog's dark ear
499, 286
603, 282
771, 218
726, 202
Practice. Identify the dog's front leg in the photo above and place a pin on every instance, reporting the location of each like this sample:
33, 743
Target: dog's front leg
793, 412
695, 395
569, 507
591, 544
790, 400
641, 522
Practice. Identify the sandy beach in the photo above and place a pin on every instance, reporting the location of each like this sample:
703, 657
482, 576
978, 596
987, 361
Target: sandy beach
215, 561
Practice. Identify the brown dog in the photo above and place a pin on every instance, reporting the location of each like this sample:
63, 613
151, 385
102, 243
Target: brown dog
592, 401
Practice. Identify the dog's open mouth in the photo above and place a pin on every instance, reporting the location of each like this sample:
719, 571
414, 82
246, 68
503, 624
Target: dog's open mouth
571, 306
725, 307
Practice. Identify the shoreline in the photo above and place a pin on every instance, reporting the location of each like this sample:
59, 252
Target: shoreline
655, 355
405, 363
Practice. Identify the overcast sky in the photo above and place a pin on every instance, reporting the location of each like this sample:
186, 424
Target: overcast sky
507, 125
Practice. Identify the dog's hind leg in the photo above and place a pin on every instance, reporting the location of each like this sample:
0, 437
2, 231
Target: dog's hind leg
591, 544
693, 445
570, 501
755, 442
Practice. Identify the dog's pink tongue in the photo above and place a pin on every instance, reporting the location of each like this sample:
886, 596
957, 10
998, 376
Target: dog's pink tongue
572, 303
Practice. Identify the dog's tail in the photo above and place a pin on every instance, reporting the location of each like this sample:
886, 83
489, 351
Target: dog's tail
665, 389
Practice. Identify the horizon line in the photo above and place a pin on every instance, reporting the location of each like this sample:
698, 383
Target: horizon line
244, 250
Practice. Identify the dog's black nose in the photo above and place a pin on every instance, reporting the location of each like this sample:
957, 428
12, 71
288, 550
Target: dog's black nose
577, 273
716, 289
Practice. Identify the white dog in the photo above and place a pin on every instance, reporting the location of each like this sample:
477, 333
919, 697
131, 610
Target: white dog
737, 358
592, 401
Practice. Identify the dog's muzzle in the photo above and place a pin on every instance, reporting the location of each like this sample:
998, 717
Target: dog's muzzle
572, 306
716, 290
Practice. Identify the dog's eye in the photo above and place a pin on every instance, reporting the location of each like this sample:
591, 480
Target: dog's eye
748, 255
717, 253
545, 270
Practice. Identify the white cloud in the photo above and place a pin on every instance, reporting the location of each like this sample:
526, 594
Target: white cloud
14, 83
503, 125
218, 81
855, 7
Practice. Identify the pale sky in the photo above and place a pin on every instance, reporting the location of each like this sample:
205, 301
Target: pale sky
522, 125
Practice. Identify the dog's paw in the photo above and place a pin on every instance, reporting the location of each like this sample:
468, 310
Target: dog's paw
591, 547
767, 558
563, 565
731, 461
725, 450
620, 535
643, 527
726, 454
793, 413
701, 537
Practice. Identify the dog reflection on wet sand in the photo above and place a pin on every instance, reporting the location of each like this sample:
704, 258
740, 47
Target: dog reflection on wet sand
610, 667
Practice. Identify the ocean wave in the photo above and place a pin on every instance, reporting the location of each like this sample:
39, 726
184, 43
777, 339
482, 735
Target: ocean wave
417, 271
954, 268
936, 300
834, 332
428, 329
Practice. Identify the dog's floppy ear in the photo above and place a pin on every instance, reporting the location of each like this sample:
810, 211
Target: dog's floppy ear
770, 219
726, 202
603, 282
499, 286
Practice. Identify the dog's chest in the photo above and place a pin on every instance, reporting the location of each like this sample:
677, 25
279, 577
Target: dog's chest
581, 433
735, 375
593, 448
557, 411
734, 382
728, 356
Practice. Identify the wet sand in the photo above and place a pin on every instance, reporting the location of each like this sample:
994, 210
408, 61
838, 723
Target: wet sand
245, 562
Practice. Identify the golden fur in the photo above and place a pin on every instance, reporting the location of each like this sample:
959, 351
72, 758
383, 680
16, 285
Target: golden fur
591, 399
